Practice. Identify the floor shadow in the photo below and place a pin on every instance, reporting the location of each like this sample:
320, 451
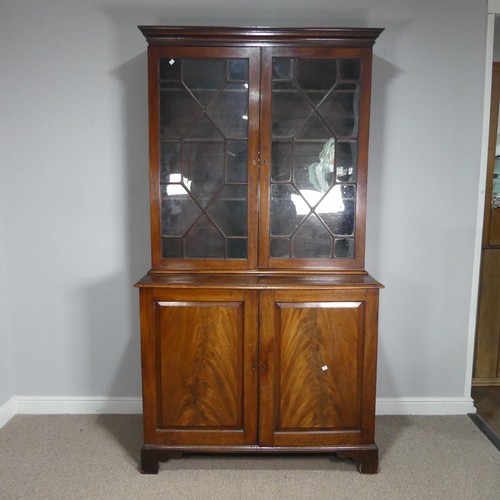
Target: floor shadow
127, 431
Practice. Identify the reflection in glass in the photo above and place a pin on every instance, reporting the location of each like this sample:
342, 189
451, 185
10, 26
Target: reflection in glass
346, 161
170, 160
178, 210
315, 120
339, 218
284, 215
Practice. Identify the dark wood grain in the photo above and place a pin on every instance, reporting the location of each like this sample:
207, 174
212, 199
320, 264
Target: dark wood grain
301, 332
201, 361
259, 355
319, 365
199, 351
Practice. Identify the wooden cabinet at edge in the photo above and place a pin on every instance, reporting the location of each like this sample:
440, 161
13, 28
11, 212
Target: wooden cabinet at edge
269, 345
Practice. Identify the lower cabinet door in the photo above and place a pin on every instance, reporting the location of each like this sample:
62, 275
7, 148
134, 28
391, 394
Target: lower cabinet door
317, 367
199, 359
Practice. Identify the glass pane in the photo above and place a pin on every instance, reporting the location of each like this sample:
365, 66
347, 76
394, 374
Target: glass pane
170, 69
316, 77
281, 164
178, 210
236, 248
178, 111
170, 159
343, 248
203, 128
203, 169
314, 128
237, 70
204, 240
280, 248
339, 110
312, 240
203, 73
282, 69
203, 158
229, 211
229, 110
337, 211
236, 160
314, 157
350, 69
290, 110
316, 74
313, 169
172, 248
346, 161
288, 209
203, 77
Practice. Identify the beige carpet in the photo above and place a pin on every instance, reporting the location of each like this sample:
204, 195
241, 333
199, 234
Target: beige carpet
96, 457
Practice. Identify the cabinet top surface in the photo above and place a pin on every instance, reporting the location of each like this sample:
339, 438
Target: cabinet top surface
158, 35
258, 281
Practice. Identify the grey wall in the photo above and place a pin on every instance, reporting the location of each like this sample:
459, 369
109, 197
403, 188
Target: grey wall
6, 385
73, 164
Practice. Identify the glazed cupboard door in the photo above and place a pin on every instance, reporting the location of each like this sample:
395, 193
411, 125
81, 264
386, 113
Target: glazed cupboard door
203, 156
314, 148
318, 357
199, 366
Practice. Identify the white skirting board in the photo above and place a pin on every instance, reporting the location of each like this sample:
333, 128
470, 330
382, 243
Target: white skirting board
425, 406
36, 405
39, 405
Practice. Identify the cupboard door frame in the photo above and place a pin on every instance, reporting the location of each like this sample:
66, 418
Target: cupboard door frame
155, 53
154, 360
268, 53
271, 363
